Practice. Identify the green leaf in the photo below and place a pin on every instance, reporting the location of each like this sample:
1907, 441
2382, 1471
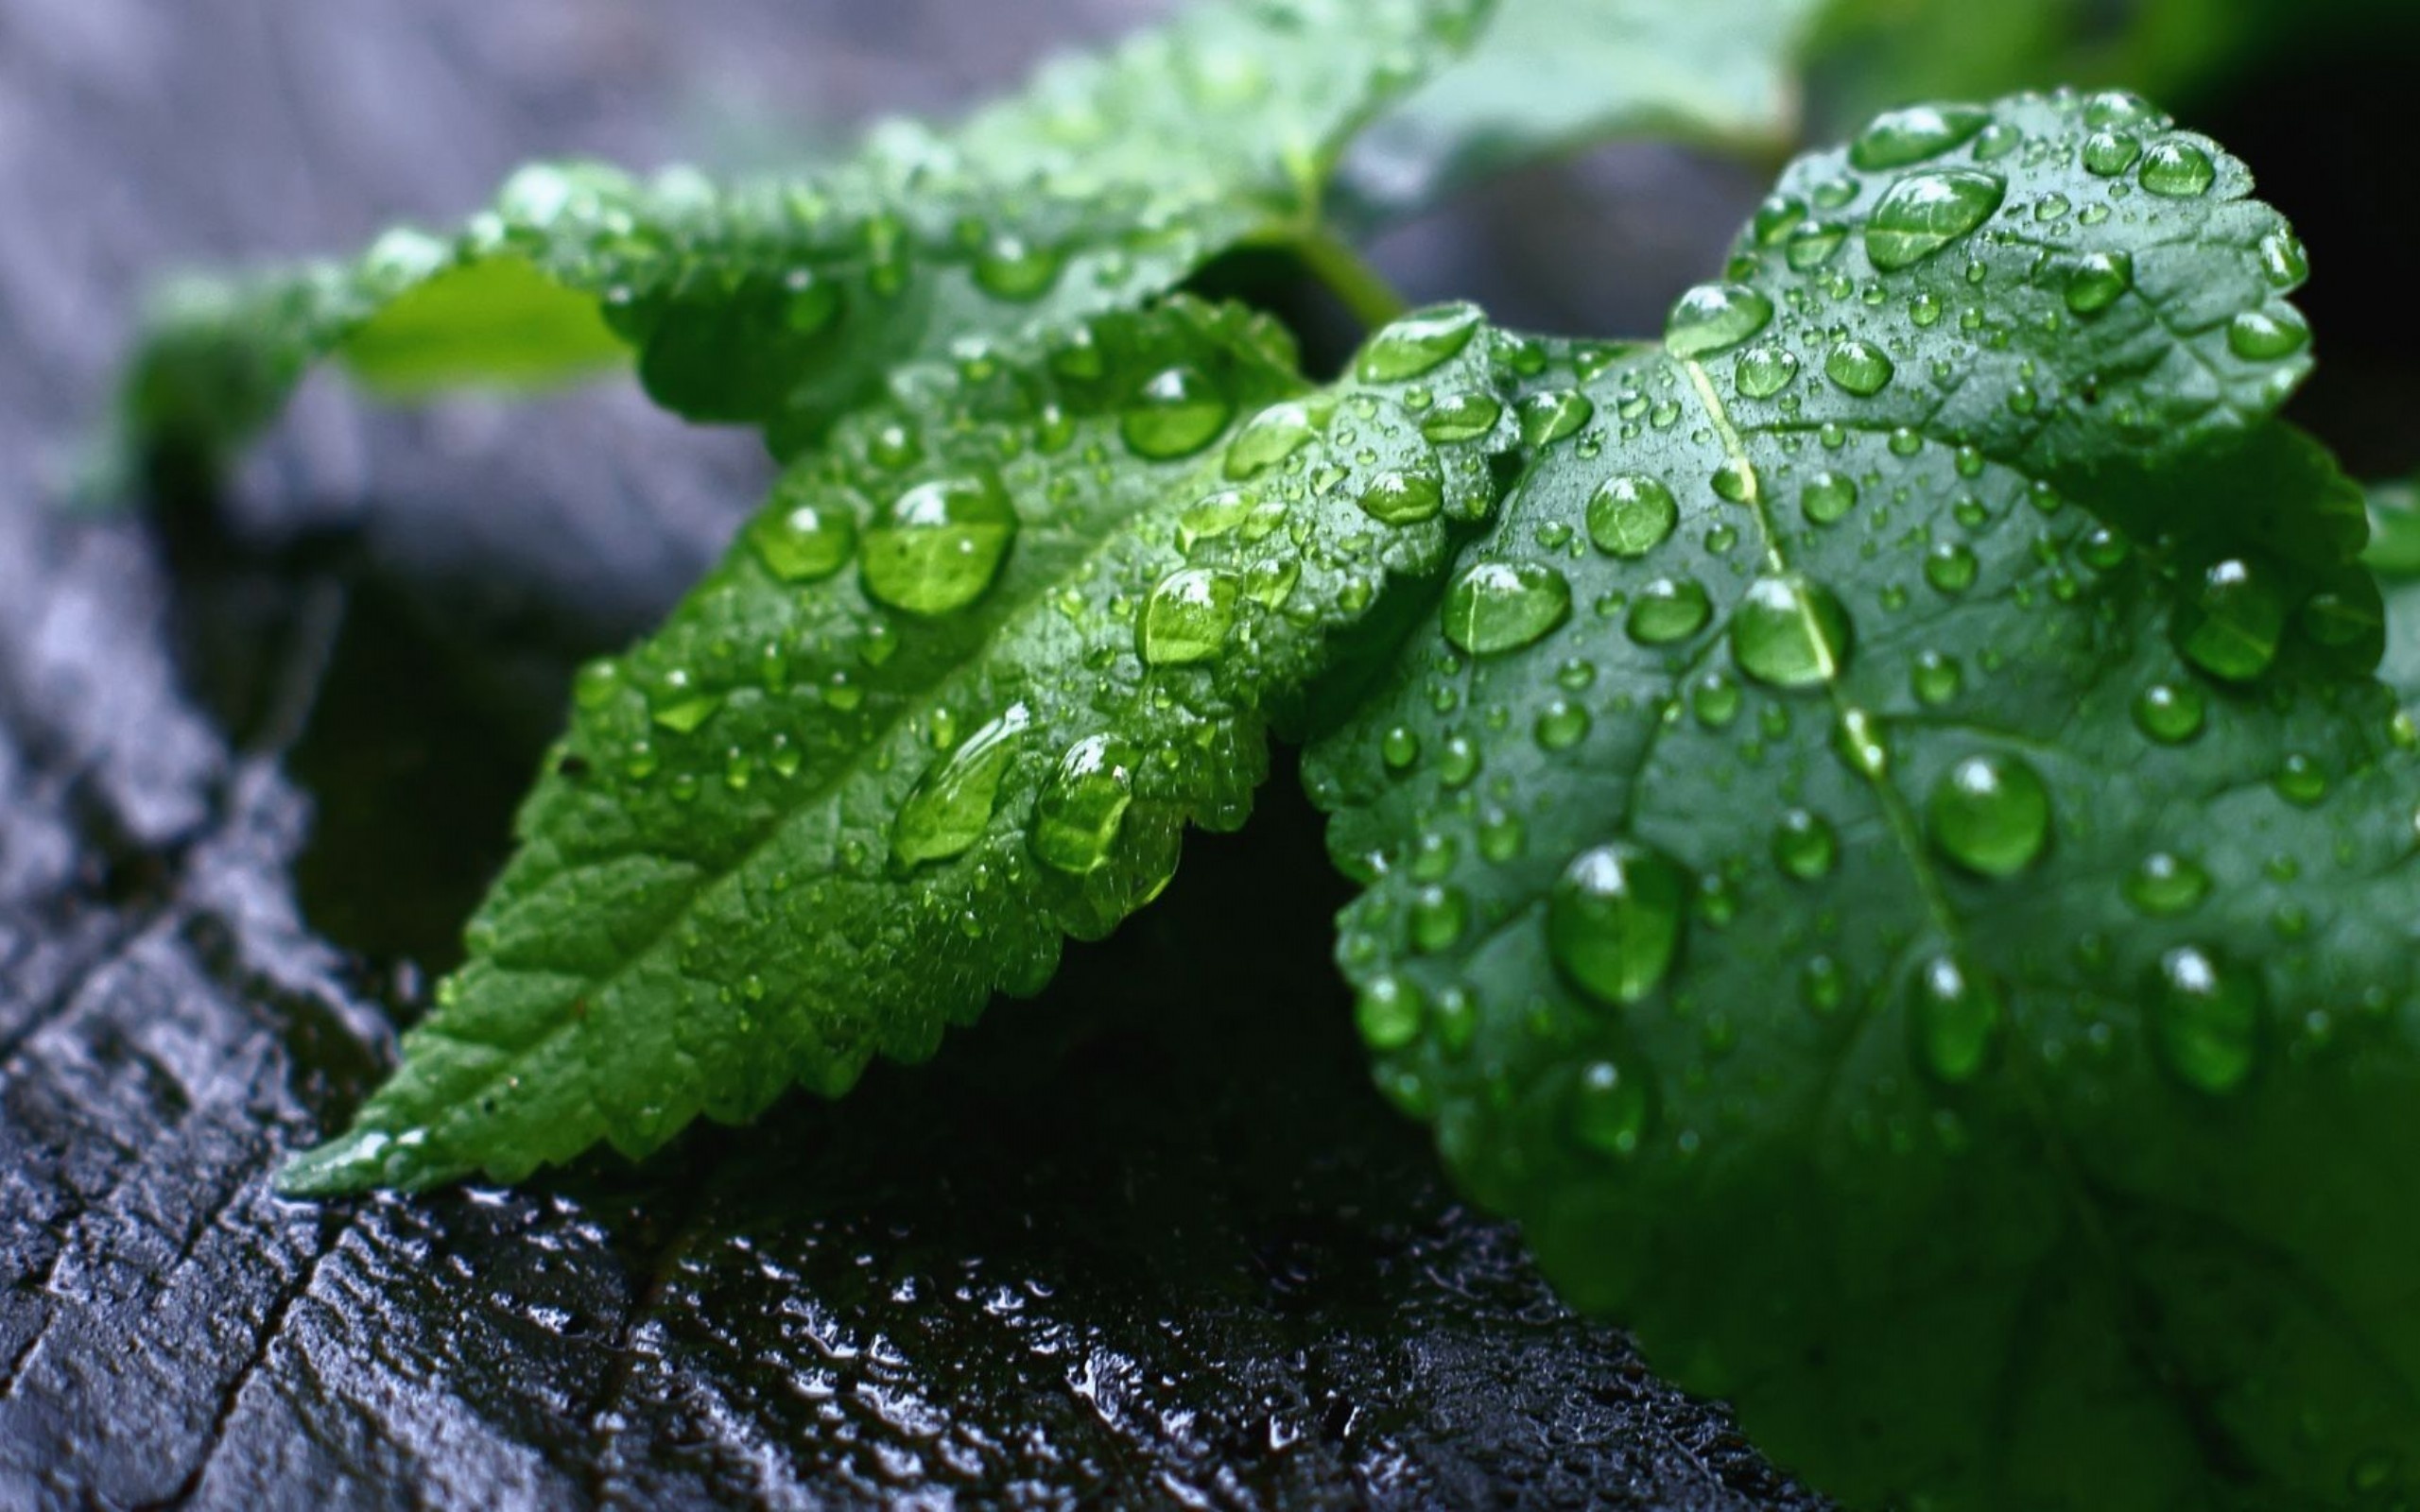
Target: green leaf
1552, 76
1926, 940
780, 303
953, 694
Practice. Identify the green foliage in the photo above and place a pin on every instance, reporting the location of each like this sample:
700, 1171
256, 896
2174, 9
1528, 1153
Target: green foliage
1935, 963
1880, 841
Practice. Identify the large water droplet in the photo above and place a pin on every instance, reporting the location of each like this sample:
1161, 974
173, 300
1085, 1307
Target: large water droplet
1609, 1108
1176, 413
1614, 920
1402, 498
2265, 335
2098, 279
1187, 617
800, 541
939, 545
2177, 170
1011, 267
1805, 845
1764, 372
1955, 1019
1926, 212
949, 807
1860, 367
1388, 1012
1827, 497
2205, 1019
1632, 515
1898, 138
1083, 805
1714, 317
1991, 815
1789, 632
2231, 624
1269, 437
1502, 606
1418, 342
1548, 416
1669, 610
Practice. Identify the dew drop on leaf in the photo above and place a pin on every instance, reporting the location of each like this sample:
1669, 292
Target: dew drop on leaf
800, 542
1176, 413
2176, 170
1082, 806
939, 545
1631, 515
1950, 567
2170, 712
2098, 280
1991, 815
2232, 622
2205, 1019
1955, 1018
1186, 617
1935, 679
1418, 342
1502, 605
1897, 139
1805, 845
949, 807
1669, 610
1461, 418
1011, 267
1614, 920
1714, 317
1827, 497
1924, 213
2165, 883
1402, 498
1860, 367
1267, 439
1609, 1108
2107, 154
1765, 371
2265, 335
1552, 414
1789, 632
1388, 1011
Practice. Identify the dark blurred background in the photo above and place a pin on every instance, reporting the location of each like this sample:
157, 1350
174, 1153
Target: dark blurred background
1151, 1239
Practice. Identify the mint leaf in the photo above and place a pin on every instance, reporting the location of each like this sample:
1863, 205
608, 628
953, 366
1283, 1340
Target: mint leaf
1891, 865
952, 696
781, 303
1551, 76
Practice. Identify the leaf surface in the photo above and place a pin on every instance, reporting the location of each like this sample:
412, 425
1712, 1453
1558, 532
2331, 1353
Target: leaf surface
1927, 939
952, 696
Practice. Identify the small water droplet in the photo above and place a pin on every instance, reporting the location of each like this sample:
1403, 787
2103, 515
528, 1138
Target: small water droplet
1011, 267
2165, 883
1924, 213
1789, 632
1402, 498
1177, 412
2265, 335
800, 541
1388, 1011
1188, 616
1082, 806
1610, 1109
1669, 610
1814, 245
2205, 1019
1956, 1020
950, 806
1614, 920
1827, 497
1950, 567
1438, 916
1805, 845
1896, 139
1935, 679
1562, 724
2300, 780
1860, 367
1991, 815
1632, 515
2283, 262
1418, 342
939, 545
1502, 605
2169, 713
1714, 317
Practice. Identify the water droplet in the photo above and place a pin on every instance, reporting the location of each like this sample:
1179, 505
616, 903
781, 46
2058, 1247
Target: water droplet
1550, 415
1399, 748
1011, 267
1860, 367
2166, 884
2176, 170
1083, 805
2264, 335
1418, 342
596, 684
1614, 920
1632, 515
950, 806
2170, 712
1935, 679
1950, 567
1956, 1020
1813, 245
1789, 632
2098, 279
1562, 724
2205, 1019
939, 545
2107, 154
1926, 212
1991, 815
2300, 780
1669, 610
1714, 317
1805, 845
1822, 986
1734, 481
1176, 413
1827, 497
1898, 138
1765, 370
1388, 1012
1502, 605
1461, 418
1609, 1108
2232, 623
2283, 262
1438, 916
800, 541
1402, 498
2118, 107
1267, 439
1186, 617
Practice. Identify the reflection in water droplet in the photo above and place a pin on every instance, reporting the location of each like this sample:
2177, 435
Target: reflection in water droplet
1083, 805
1924, 213
2205, 1019
1388, 1012
939, 545
1502, 606
2107, 154
949, 807
1764, 372
1614, 920
1991, 815
1009, 268
1552, 414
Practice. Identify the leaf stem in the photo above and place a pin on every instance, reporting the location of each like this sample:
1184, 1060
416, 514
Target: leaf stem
1365, 291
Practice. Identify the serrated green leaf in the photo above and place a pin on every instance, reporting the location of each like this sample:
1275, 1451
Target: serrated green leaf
1927, 942
1551, 76
952, 696
779, 303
